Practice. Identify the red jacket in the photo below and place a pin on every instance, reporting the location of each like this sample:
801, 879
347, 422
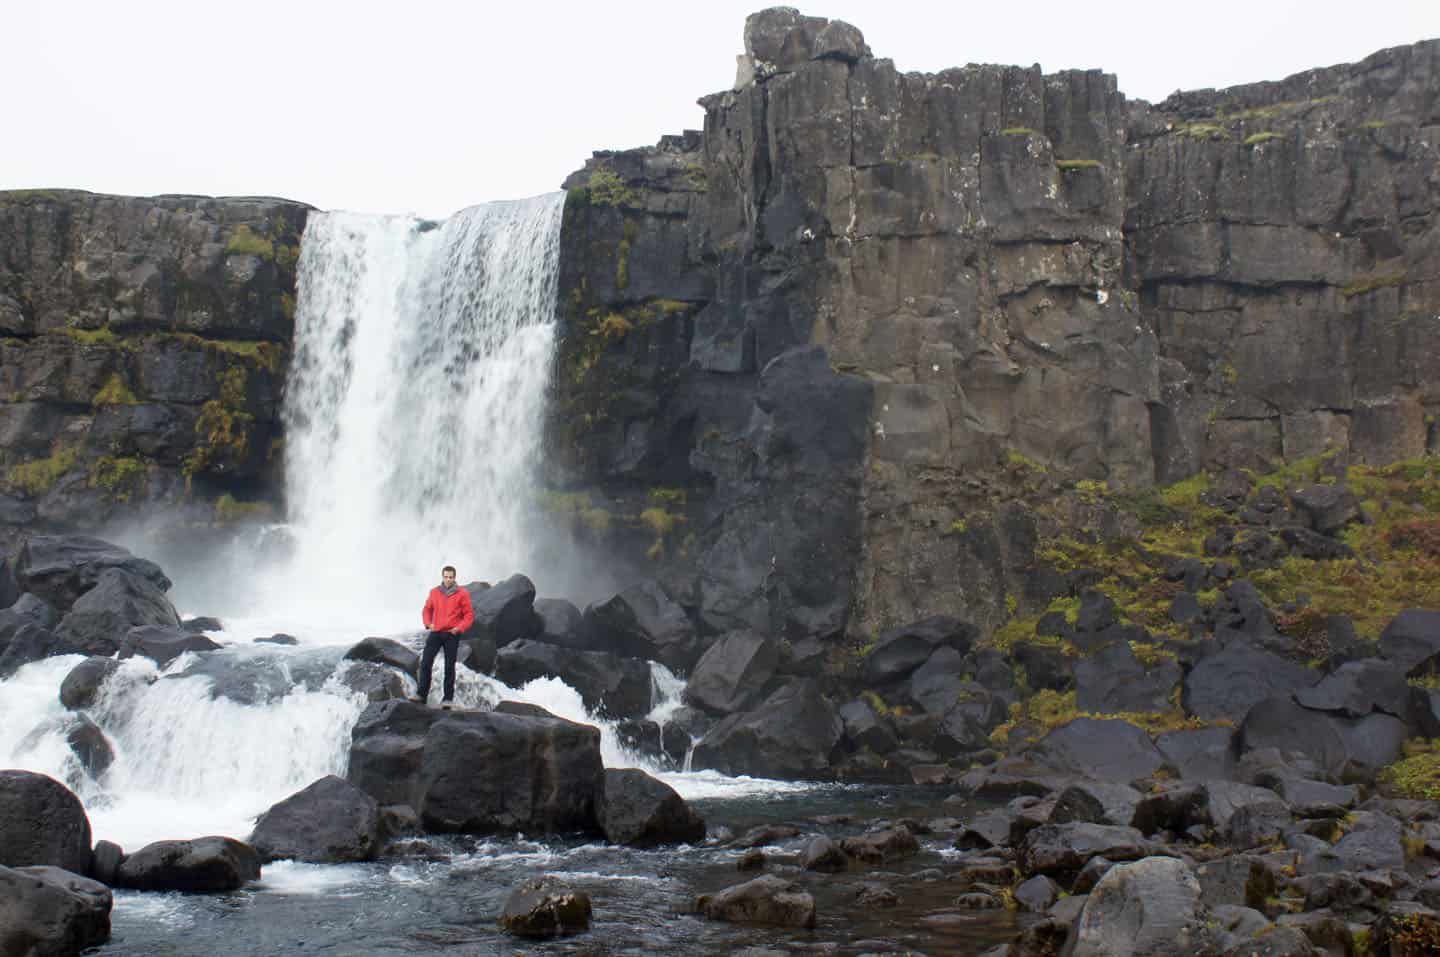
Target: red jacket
443, 612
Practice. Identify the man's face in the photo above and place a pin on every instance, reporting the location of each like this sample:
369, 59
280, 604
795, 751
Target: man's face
447, 578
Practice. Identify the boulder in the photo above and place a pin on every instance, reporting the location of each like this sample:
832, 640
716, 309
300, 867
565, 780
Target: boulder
765, 900
9, 588
61, 568
34, 643
644, 622
1357, 688
1095, 802
545, 908
838, 40
375, 682
385, 651
203, 865
1199, 753
504, 612
1227, 684
1110, 750
329, 822
82, 685
1357, 747
162, 644
866, 728
99, 620
49, 912
1326, 508
42, 823
89, 745
1061, 850
643, 812
1037, 895
792, 734
105, 861
1146, 909
732, 673
25, 610
1411, 637
1113, 680
561, 623
202, 624
887, 844
1241, 880
480, 772
824, 854
1257, 824
610, 686
899, 651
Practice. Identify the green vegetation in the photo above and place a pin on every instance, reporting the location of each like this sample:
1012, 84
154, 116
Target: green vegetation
114, 392
606, 188
1077, 164
696, 177
662, 522
622, 255
121, 478
228, 511
1203, 131
1046, 710
1255, 139
222, 432
668, 496
613, 326
1363, 284
91, 337
579, 507
1017, 131
245, 242
39, 476
1277, 109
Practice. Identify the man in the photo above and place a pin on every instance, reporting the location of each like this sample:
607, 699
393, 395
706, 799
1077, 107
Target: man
447, 615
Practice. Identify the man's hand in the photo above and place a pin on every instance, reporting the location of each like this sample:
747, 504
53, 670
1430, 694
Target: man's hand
454, 631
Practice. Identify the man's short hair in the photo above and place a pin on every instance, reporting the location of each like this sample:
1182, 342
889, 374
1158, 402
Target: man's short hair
448, 568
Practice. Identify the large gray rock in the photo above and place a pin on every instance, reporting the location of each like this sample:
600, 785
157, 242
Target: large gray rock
733, 672
99, 620
1150, 908
50, 912
541, 774
504, 612
203, 865
792, 734
1411, 637
61, 568
901, 650
1114, 680
385, 651
1357, 688
609, 685
329, 822
561, 623
1061, 850
26, 610
162, 644
33, 643
1227, 684
42, 823
764, 900
643, 812
82, 685
1110, 750
545, 908
644, 622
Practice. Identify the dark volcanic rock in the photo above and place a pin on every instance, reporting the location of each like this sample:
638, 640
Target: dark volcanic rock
26, 610
545, 908
99, 619
162, 644
1113, 680
1228, 683
42, 823
561, 623
200, 866
504, 612
385, 651
329, 822
48, 911
823, 854
82, 685
733, 672
1357, 688
1199, 753
901, 650
61, 568
1110, 750
609, 685
792, 734
1146, 909
1061, 850
764, 900
1411, 637
643, 812
644, 622
32, 643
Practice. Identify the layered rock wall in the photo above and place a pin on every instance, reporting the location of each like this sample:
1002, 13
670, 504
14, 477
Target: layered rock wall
143, 348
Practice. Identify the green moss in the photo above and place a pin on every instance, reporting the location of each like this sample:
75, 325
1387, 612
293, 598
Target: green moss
114, 392
661, 522
287, 305
1417, 775
696, 177
1276, 110
622, 255
668, 496
229, 511
266, 355
1068, 164
1255, 139
39, 476
1363, 284
1047, 710
222, 434
613, 326
91, 337
605, 188
245, 242
578, 506
1017, 131
120, 477
1203, 131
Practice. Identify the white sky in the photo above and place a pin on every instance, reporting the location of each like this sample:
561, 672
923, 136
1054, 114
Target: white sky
427, 106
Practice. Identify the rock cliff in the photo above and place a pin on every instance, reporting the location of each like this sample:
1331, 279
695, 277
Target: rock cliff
824, 355
143, 347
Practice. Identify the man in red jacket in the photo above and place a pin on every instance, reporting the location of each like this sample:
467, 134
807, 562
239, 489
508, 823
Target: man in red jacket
447, 615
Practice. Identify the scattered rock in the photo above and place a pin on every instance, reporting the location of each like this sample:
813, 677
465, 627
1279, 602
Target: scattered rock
385, 651
82, 685
1151, 907
545, 908
48, 911
162, 644
42, 823
329, 822
764, 900
643, 812
200, 866
732, 672
609, 685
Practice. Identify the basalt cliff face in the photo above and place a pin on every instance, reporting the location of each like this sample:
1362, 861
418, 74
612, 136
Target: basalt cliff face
143, 347
822, 359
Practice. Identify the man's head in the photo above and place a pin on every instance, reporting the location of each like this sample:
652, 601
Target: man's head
447, 575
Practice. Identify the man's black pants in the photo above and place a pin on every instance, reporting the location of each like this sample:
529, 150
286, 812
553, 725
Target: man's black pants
435, 641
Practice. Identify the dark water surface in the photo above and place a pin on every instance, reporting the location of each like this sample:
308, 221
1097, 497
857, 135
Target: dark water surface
431, 902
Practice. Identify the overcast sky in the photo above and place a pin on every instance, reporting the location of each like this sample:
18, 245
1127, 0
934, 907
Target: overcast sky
428, 107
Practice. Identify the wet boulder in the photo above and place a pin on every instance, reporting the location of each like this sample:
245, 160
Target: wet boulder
1411, 637
329, 822
9, 588
645, 622
899, 651
1350, 747
561, 623
764, 900
609, 685
249, 677
504, 612
48, 911
1113, 679
26, 610
545, 908
1357, 688
824, 854
375, 682
88, 743
792, 734
732, 673
202, 624
162, 644
643, 812
99, 620
867, 728
204, 865
42, 823
1061, 850
886, 844
105, 861
1146, 909
1227, 684
61, 568
82, 685
34, 643
1110, 750
385, 651
1096, 802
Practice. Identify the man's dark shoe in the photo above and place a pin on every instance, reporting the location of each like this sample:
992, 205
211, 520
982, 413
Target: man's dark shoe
446, 705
